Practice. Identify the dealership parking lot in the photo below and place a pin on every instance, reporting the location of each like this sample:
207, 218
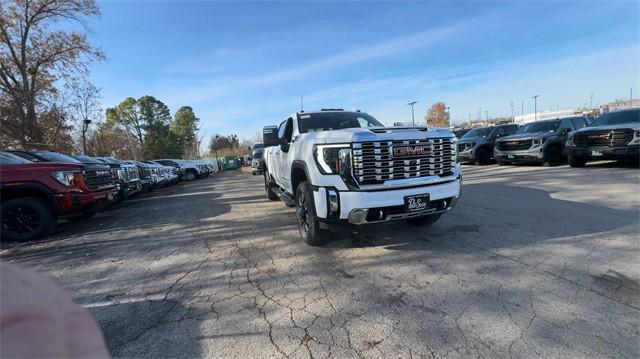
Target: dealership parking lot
533, 261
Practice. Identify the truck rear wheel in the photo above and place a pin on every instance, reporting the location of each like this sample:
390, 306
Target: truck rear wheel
424, 221
268, 188
190, 175
306, 212
26, 218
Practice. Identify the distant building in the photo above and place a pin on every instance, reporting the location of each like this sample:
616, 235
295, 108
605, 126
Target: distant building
545, 115
619, 105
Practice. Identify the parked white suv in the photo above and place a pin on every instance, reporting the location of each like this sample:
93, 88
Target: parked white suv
339, 166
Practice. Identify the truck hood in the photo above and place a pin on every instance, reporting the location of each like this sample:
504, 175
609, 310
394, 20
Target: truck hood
632, 125
53, 166
526, 136
349, 135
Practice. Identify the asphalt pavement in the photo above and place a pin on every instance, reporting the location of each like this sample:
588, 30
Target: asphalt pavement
533, 262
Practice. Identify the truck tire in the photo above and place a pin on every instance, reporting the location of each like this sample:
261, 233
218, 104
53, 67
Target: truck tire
424, 221
190, 175
268, 188
308, 223
552, 156
483, 157
576, 161
26, 218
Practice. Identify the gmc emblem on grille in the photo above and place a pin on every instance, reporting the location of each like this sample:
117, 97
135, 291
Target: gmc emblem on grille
408, 151
604, 136
511, 142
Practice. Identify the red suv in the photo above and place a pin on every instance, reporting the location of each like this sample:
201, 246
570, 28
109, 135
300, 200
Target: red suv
34, 195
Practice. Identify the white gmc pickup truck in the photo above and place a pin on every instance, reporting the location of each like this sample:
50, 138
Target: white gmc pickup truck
339, 166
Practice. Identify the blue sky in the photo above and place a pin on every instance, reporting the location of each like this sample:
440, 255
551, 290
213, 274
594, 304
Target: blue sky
243, 65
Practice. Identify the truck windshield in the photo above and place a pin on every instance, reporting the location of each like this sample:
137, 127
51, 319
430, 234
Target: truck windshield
10, 159
56, 157
477, 132
617, 118
326, 121
546, 126
257, 155
86, 159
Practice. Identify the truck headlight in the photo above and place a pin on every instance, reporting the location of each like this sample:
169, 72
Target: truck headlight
538, 141
570, 141
327, 157
636, 138
66, 178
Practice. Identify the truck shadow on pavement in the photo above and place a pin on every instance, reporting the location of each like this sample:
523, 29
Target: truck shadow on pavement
487, 216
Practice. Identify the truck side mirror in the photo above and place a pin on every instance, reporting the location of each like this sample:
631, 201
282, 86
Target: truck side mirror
284, 145
270, 136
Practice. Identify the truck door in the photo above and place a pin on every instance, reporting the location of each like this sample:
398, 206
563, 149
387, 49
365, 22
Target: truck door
284, 160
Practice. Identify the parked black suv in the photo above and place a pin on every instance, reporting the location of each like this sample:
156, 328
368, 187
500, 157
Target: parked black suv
539, 141
612, 136
477, 145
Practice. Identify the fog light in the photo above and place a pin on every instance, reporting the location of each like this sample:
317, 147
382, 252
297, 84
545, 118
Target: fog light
444, 204
333, 202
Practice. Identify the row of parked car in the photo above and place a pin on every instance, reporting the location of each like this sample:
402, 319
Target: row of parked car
611, 136
40, 187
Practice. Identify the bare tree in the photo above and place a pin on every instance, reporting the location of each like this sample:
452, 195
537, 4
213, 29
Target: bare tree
33, 56
85, 106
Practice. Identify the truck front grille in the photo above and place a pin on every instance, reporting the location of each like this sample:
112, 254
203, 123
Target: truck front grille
374, 162
131, 174
98, 178
611, 138
463, 147
514, 145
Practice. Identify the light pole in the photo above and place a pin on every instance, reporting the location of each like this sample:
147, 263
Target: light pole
448, 116
630, 95
535, 107
486, 115
413, 120
85, 127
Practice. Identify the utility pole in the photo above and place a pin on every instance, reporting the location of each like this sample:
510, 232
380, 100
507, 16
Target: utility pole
630, 95
486, 115
522, 109
301, 103
513, 119
591, 102
535, 107
413, 120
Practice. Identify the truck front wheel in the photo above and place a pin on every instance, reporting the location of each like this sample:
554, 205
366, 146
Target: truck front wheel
306, 212
424, 221
26, 218
190, 175
576, 161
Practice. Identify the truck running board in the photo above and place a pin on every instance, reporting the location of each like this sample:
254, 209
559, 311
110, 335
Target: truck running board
286, 198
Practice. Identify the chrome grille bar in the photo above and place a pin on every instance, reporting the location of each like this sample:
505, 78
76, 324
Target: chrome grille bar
373, 161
